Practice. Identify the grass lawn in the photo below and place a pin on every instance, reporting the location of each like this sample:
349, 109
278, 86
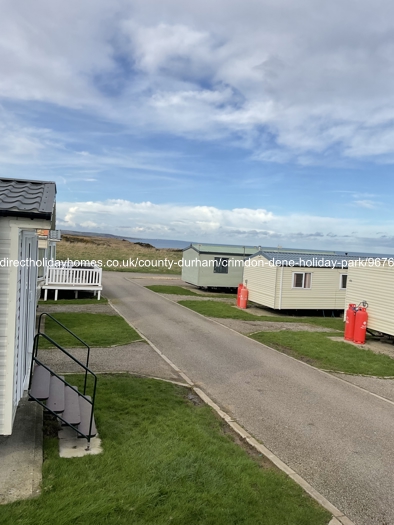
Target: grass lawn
179, 290
317, 349
218, 309
95, 329
226, 311
165, 460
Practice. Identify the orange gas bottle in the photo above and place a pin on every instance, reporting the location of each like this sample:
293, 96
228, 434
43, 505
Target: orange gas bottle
240, 286
243, 298
350, 319
360, 326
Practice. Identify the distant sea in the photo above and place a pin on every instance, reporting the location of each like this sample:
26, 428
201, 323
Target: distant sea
161, 243
157, 243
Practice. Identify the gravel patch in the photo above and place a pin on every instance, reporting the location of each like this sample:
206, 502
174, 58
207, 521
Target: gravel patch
75, 308
135, 358
377, 385
249, 327
255, 310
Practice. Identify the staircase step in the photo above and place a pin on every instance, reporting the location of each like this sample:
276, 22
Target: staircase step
86, 410
40, 383
56, 395
72, 413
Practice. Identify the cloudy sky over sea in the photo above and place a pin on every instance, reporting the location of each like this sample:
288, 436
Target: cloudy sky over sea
255, 122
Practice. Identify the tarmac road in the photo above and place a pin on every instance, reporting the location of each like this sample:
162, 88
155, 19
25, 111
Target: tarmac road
335, 435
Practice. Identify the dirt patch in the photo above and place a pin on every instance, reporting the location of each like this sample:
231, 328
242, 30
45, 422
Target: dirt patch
250, 327
259, 458
50, 425
195, 399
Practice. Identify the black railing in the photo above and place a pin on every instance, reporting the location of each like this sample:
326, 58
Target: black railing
71, 333
35, 360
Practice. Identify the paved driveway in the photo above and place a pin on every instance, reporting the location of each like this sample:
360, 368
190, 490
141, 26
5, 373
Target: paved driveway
335, 435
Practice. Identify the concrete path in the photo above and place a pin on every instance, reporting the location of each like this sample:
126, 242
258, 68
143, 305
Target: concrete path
135, 358
335, 435
250, 327
21, 455
99, 308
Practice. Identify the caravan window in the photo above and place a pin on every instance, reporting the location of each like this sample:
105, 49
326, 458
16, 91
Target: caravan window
221, 265
343, 281
302, 280
41, 257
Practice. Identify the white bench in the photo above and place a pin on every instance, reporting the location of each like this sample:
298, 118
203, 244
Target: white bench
73, 278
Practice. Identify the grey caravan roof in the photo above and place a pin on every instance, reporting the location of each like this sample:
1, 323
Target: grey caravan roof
228, 249
27, 198
309, 260
222, 249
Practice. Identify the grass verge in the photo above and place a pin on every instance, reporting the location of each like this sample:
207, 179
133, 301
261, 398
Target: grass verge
179, 290
318, 350
165, 460
95, 329
227, 311
218, 309
173, 290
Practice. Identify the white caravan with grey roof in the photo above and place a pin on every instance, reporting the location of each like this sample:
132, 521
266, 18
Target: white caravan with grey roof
25, 206
297, 281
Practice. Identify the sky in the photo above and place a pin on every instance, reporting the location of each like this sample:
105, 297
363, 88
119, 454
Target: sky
262, 122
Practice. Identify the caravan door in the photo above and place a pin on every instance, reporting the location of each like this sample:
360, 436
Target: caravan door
25, 311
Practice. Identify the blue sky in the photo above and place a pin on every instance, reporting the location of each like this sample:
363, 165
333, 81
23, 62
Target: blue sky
252, 122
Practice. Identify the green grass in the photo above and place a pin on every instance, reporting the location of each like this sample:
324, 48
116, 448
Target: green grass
164, 461
95, 329
227, 311
218, 309
179, 290
317, 349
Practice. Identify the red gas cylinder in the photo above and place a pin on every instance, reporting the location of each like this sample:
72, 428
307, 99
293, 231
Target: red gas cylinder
350, 319
360, 326
240, 286
243, 298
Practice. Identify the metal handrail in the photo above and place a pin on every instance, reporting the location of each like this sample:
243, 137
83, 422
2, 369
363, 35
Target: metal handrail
35, 347
88, 437
87, 370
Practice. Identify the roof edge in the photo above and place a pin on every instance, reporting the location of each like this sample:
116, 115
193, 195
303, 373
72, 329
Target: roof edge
27, 214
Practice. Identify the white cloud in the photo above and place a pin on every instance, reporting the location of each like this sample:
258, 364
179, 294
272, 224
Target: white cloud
233, 226
286, 80
370, 205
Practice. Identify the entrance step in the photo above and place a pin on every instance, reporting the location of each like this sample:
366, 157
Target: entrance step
55, 401
40, 383
72, 413
86, 410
